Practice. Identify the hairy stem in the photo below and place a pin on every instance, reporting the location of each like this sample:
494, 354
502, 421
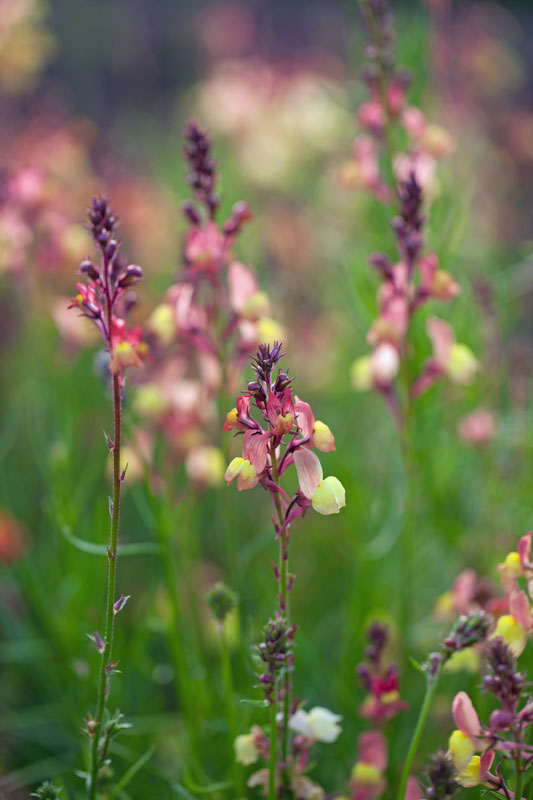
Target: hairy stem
272, 794
111, 583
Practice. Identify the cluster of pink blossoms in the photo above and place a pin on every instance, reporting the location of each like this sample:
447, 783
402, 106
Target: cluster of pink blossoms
286, 435
386, 117
103, 299
473, 747
210, 319
406, 286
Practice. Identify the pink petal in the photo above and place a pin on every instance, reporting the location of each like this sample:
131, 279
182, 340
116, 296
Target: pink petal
413, 791
254, 448
428, 267
524, 549
465, 715
486, 762
442, 338
309, 471
306, 418
242, 285
372, 749
521, 609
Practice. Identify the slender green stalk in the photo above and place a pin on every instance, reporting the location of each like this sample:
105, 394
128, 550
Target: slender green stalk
272, 794
111, 584
185, 690
431, 687
229, 697
519, 772
284, 574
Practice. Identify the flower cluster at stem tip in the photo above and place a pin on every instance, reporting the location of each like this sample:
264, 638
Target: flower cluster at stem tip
287, 434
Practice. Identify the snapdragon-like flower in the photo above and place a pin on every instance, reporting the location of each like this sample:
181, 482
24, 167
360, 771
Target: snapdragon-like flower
100, 300
405, 287
290, 426
387, 116
514, 628
379, 678
318, 725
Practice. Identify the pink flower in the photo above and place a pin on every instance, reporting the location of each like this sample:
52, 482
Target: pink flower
477, 428
372, 117
326, 495
367, 780
205, 248
318, 432
436, 282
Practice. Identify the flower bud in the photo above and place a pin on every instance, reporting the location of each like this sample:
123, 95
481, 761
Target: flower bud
221, 600
131, 275
89, 269
323, 438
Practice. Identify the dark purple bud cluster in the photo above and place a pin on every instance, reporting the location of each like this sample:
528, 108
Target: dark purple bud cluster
440, 777
202, 174
379, 24
274, 652
468, 630
500, 676
378, 638
408, 225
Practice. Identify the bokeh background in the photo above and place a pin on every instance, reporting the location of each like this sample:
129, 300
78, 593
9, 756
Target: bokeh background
93, 98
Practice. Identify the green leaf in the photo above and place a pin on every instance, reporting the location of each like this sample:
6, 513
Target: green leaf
257, 703
131, 549
417, 665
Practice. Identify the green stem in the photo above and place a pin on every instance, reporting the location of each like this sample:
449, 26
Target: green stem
229, 697
284, 608
272, 794
185, 690
519, 776
431, 688
111, 583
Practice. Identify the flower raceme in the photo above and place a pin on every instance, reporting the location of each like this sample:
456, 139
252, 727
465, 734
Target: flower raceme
100, 299
290, 426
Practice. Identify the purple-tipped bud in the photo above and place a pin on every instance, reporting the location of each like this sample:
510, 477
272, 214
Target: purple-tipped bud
97, 640
382, 264
120, 603
88, 268
190, 213
500, 720
132, 274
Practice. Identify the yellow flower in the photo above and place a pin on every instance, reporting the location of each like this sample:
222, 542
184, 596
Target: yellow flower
245, 750
162, 323
471, 774
512, 634
361, 374
329, 496
367, 774
322, 437
461, 748
462, 364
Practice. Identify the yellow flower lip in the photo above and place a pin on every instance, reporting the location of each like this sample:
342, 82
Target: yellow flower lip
461, 748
